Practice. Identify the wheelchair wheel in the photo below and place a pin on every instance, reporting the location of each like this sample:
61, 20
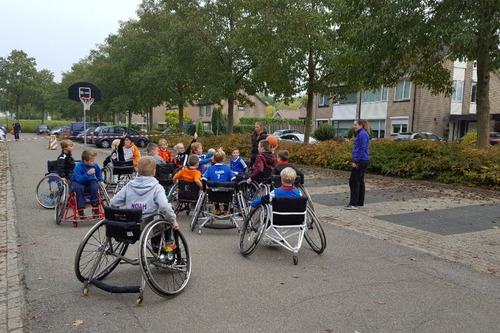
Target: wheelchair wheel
198, 210
47, 190
61, 204
104, 196
172, 195
314, 235
309, 199
164, 258
98, 253
253, 229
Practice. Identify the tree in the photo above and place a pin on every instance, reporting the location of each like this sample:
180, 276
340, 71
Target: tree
385, 40
19, 81
219, 122
296, 47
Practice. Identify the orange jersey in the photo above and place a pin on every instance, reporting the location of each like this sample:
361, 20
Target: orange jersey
166, 155
188, 175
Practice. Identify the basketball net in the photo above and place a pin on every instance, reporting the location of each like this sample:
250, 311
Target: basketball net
87, 102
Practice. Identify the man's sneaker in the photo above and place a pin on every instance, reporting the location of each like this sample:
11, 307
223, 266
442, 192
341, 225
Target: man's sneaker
350, 207
217, 212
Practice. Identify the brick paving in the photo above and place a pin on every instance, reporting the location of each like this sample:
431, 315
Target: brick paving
11, 286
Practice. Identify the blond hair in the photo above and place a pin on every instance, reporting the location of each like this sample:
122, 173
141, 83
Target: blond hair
219, 156
161, 141
88, 154
288, 176
115, 144
146, 166
66, 143
195, 146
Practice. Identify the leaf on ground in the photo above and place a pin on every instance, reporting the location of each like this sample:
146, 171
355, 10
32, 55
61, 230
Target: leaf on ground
77, 322
413, 259
379, 301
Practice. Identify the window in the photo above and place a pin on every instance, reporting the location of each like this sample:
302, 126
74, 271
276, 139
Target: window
458, 90
473, 94
241, 107
374, 96
349, 98
402, 90
323, 100
201, 110
399, 125
208, 110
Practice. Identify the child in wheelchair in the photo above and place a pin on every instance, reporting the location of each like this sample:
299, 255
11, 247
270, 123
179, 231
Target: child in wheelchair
86, 178
264, 163
65, 162
145, 193
190, 173
282, 164
219, 172
238, 165
152, 150
287, 188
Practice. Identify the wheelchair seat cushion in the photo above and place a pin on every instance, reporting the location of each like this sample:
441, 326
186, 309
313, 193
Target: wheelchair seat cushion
123, 224
289, 211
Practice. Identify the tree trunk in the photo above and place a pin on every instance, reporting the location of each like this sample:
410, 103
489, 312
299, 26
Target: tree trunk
310, 95
151, 118
230, 115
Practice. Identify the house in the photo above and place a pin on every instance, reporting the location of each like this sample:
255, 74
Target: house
409, 108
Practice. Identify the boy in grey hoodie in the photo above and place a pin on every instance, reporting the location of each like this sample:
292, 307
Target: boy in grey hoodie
144, 192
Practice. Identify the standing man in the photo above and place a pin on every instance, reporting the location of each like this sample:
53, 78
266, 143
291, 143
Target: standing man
360, 161
17, 129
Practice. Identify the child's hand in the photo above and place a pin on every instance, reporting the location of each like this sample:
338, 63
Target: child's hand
91, 171
175, 225
195, 136
249, 181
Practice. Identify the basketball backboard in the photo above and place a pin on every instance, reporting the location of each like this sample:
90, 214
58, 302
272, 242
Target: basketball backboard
83, 89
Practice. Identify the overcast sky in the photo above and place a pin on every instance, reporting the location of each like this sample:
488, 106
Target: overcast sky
58, 33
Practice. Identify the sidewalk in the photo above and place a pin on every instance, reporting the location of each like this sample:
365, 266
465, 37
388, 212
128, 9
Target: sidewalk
11, 287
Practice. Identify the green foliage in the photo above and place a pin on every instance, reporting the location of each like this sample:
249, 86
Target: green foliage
469, 138
199, 128
172, 120
324, 132
219, 122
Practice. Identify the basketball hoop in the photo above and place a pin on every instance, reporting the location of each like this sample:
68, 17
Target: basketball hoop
87, 102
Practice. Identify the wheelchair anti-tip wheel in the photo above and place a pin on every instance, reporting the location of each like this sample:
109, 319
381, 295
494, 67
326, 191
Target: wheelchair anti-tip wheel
97, 254
253, 229
61, 204
164, 258
47, 190
314, 234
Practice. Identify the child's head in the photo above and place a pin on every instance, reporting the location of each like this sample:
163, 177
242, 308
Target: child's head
152, 148
163, 144
146, 166
219, 156
196, 148
283, 155
193, 160
211, 150
235, 153
288, 176
179, 148
66, 145
88, 157
115, 144
264, 145
127, 141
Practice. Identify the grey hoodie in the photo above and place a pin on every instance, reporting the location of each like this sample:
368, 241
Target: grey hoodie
147, 194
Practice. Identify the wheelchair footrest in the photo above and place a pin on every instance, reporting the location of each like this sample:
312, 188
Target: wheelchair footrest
219, 226
115, 289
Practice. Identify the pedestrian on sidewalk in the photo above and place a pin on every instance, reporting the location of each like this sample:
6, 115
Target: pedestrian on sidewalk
17, 129
360, 161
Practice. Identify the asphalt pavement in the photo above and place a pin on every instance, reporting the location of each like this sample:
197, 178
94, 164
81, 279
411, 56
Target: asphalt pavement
418, 257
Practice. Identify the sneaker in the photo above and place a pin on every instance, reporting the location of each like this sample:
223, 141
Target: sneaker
81, 214
226, 212
350, 207
217, 212
95, 211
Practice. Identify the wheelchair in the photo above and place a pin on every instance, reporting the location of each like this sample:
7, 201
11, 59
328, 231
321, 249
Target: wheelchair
222, 193
183, 196
48, 188
117, 174
299, 182
165, 175
284, 222
66, 208
163, 253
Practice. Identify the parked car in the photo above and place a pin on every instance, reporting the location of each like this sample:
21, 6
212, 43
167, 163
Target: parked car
56, 131
2, 134
77, 128
4, 130
296, 137
90, 135
494, 138
43, 128
280, 132
406, 136
104, 136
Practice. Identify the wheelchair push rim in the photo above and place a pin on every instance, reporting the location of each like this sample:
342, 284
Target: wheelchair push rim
47, 190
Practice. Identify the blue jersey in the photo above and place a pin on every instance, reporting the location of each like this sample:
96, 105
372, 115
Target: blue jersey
285, 191
219, 173
238, 165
